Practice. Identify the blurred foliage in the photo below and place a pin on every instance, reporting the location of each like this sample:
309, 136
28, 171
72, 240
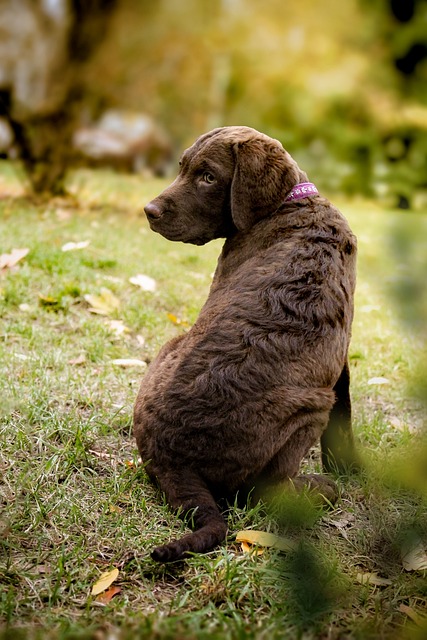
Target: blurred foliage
342, 85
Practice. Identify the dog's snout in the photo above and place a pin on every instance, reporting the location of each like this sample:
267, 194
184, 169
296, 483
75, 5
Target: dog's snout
152, 211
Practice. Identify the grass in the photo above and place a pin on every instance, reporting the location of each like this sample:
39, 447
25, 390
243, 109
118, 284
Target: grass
74, 500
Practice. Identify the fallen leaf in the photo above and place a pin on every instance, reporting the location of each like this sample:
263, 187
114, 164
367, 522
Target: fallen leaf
113, 508
79, 360
112, 279
74, 246
397, 423
264, 539
105, 580
113, 460
411, 613
104, 598
104, 303
249, 548
140, 340
118, 327
378, 380
8, 260
373, 578
127, 363
48, 301
414, 556
144, 282
178, 321
345, 520
43, 568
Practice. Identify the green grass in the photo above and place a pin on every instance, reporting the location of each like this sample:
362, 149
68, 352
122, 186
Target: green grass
74, 501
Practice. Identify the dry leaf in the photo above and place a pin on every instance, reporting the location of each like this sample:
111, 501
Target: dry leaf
127, 363
346, 520
414, 556
373, 578
74, 246
378, 380
118, 327
144, 282
104, 598
8, 260
411, 613
397, 423
248, 548
105, 580
79, 360
140, 340
43, 568
104, 303
263, 539
113, 508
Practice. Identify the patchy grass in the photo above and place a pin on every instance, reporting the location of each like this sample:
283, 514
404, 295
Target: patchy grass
75, 502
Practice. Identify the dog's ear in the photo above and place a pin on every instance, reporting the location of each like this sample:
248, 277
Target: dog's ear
264, 174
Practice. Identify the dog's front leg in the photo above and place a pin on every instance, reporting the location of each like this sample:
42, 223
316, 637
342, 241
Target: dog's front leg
186, 491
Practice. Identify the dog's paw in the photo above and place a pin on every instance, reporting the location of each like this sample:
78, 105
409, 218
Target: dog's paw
168, 553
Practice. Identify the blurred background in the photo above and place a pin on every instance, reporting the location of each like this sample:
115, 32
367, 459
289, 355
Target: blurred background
130, 83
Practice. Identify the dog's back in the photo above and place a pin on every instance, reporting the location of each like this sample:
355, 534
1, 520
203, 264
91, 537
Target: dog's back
241, 397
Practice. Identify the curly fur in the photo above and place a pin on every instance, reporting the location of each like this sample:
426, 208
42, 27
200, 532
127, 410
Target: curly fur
262, 375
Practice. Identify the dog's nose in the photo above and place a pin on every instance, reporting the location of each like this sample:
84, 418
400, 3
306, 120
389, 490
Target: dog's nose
152, 211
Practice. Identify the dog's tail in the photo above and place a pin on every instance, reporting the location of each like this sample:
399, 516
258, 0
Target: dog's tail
187, 492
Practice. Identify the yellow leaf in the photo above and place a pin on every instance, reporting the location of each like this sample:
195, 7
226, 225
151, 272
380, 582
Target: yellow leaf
263, 539
373, 578
115, 509
178, 321
104, 303
105, 581
48, 301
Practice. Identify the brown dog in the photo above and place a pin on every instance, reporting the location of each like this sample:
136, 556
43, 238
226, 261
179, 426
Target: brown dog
237, 401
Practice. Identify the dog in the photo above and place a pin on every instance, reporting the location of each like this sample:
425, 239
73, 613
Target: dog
263, 374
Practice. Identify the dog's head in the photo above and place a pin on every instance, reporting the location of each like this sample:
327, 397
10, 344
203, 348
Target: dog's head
229, 179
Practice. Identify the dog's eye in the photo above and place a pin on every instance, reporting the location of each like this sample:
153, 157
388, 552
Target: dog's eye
208, 177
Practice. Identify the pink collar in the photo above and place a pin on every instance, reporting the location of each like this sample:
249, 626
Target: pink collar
302, 190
